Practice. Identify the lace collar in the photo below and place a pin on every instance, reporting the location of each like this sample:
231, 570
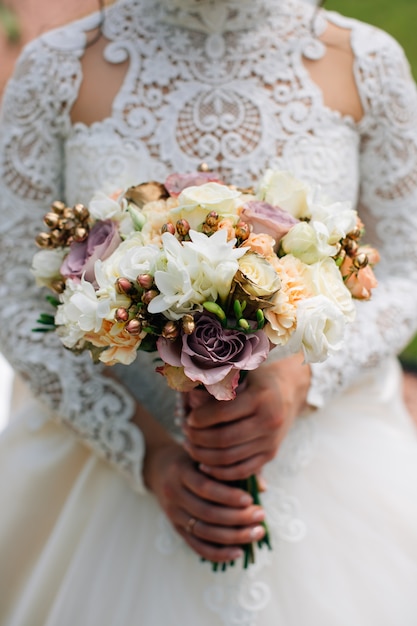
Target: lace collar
210, 16
219, 16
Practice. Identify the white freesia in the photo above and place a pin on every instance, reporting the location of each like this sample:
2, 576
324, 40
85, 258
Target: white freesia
194, 271
104, 207
327, 280
320, 329
46, 265
282, 189
309, 242
194, 203
78, 312
339, 219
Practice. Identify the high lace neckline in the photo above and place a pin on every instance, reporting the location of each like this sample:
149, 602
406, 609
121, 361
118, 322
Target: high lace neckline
211, 16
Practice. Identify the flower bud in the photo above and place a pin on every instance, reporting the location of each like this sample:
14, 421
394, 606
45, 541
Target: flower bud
56, 237
360, 261
58, 286
80, 233
207, 229
168, 228
145, 281
355, 234
216, 309
188, 324
51, 220
350, 246
121, 315
170, 331
58, 207
81, 212
183, 227
44, 240
242, 231
243, 324
212, 218
67, 224
134, 327
124, 286
68, 213
149, 295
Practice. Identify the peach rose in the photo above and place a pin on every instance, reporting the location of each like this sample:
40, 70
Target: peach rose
295, 286
120, 346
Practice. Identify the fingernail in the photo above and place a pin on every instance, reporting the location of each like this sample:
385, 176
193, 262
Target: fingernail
257, 533
246, 500
236, 554
258, 515
205, 468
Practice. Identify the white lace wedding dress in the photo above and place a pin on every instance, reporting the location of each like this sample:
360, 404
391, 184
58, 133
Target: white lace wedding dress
84, 544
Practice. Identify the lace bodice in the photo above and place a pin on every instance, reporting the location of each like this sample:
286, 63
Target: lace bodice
220, 82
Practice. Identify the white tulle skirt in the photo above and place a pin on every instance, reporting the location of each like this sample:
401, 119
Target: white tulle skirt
79, 548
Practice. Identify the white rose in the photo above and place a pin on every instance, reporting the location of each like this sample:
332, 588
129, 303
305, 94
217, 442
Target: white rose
327, 280
102, 207
309, 242
339, 219
194, 203
46, 265
129, 260
320, 329
258, 278
281, 189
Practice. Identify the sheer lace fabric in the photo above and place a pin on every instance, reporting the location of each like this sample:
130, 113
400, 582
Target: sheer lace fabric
222, 85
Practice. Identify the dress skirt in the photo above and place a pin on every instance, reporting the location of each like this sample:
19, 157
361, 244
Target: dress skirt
79, 547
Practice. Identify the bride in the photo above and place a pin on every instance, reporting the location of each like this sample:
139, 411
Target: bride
110, 532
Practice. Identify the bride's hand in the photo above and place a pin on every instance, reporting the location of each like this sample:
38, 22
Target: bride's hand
232, 440
214, 519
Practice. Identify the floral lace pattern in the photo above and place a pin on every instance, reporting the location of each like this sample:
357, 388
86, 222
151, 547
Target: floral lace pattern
201, 87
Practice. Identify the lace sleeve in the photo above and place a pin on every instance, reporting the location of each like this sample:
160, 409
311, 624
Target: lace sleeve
34, 121
388, 206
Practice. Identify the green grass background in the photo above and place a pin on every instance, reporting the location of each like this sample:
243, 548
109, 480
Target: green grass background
399, 18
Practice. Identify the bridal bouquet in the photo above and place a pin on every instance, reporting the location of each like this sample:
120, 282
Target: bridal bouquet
209, 276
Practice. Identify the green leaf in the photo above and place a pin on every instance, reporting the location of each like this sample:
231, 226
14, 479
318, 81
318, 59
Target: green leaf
52, 300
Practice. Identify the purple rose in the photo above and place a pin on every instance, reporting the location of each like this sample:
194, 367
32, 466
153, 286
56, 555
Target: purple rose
214, 356
102, 240
175, 183
268, 219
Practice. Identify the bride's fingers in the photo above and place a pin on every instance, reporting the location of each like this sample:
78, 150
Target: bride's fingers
220, 535
239, 471
232, 455
225, 435
210, 552
215, 412
220, 515
211, 490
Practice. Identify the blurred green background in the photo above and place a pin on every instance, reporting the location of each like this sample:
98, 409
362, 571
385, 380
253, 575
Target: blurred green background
399, 18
